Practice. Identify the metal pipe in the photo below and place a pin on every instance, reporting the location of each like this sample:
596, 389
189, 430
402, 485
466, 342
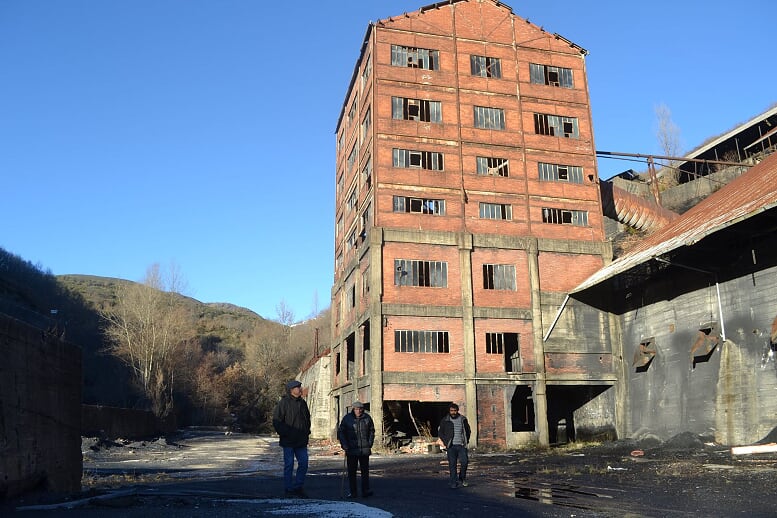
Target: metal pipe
555, 320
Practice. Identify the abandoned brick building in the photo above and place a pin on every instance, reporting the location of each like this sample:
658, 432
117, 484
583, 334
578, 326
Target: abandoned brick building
467, 207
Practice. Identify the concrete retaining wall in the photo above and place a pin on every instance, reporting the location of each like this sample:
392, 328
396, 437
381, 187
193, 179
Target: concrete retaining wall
40, 410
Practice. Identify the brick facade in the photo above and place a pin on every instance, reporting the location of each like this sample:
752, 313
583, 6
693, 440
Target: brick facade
547, 258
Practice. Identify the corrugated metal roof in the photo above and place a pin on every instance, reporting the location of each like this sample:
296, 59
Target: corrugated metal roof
750, 194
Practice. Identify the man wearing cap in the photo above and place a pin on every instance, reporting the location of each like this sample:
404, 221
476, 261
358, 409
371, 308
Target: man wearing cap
291, 419
356, 434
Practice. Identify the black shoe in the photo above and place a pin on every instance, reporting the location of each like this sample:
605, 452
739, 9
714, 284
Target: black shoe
365, 494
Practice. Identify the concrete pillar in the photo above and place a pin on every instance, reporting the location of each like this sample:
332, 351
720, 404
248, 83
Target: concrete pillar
376, 332
468, 328
540, 398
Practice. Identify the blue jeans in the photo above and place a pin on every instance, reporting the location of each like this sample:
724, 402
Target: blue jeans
458, 453
290, 483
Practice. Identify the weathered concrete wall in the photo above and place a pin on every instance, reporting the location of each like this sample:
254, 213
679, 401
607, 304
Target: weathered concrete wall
125, 423
727, 394
316, 383
40, 410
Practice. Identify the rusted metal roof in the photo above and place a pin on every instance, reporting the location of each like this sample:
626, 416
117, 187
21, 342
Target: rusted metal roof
752, 193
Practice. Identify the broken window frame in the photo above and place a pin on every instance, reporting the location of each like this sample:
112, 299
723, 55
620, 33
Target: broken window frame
484, 66
366, 72
412, 341
492, 166
578, 218
366, 125
499, 277
503, 211
353, 109
420, 273
367, 172
495, 343
412, 159
352, 155
560, 173
420, 110
419, 205
415, 57
552, 76
556, 126
489, 118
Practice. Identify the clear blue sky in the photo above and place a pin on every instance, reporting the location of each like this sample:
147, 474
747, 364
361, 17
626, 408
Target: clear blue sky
201, 133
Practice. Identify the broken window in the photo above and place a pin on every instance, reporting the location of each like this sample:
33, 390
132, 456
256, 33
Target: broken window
421, 341
414, 57
366, 221
340, 141
553, 76
644, 354
366, 124
367, 71
353, 199
416, 109
337, 364
352, 156
484, 66
499, 277
339, 226
496, 211
340, 182
560, 173
492, 166
565, 217
489, 118
350, 356
339, 262
367, 172
556, 126
430, 160
353, 110
419, 205
410, 272
351, 241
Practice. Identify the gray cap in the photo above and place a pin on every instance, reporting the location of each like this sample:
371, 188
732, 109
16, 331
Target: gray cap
294, 383
357, 404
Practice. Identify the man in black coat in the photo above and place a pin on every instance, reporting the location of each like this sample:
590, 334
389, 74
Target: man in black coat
291, 419
453, 434
356, 434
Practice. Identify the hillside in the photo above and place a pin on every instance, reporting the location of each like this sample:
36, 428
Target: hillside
233, 361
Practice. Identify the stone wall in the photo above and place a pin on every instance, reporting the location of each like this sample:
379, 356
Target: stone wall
40, 410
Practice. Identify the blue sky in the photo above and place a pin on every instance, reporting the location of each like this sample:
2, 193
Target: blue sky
201, 133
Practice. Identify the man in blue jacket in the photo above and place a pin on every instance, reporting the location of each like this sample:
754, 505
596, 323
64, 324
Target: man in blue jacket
454, 433
356, 434
291, 419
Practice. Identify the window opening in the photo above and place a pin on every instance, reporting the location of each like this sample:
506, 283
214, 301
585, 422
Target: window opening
415, 57
522, 410
489, 118
496, 211
565, 217
485, 66
493, 166
406, 341
552, 76
499, 277
419, 205
410, 272
429, 160
556, 126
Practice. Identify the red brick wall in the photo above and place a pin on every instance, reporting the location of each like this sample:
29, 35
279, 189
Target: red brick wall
491, 415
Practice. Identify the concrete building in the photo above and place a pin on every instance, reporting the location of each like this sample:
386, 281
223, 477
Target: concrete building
467, 207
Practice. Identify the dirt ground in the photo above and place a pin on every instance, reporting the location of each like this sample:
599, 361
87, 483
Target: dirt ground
207, 473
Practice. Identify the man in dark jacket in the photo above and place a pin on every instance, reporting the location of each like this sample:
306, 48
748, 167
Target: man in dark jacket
291, 419
356, 434
453, 434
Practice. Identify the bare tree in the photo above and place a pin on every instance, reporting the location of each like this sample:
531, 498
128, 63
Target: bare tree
147, 327
668, 135
285, 313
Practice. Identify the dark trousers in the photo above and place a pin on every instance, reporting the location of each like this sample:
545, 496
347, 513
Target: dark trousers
457, 453
364, 462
